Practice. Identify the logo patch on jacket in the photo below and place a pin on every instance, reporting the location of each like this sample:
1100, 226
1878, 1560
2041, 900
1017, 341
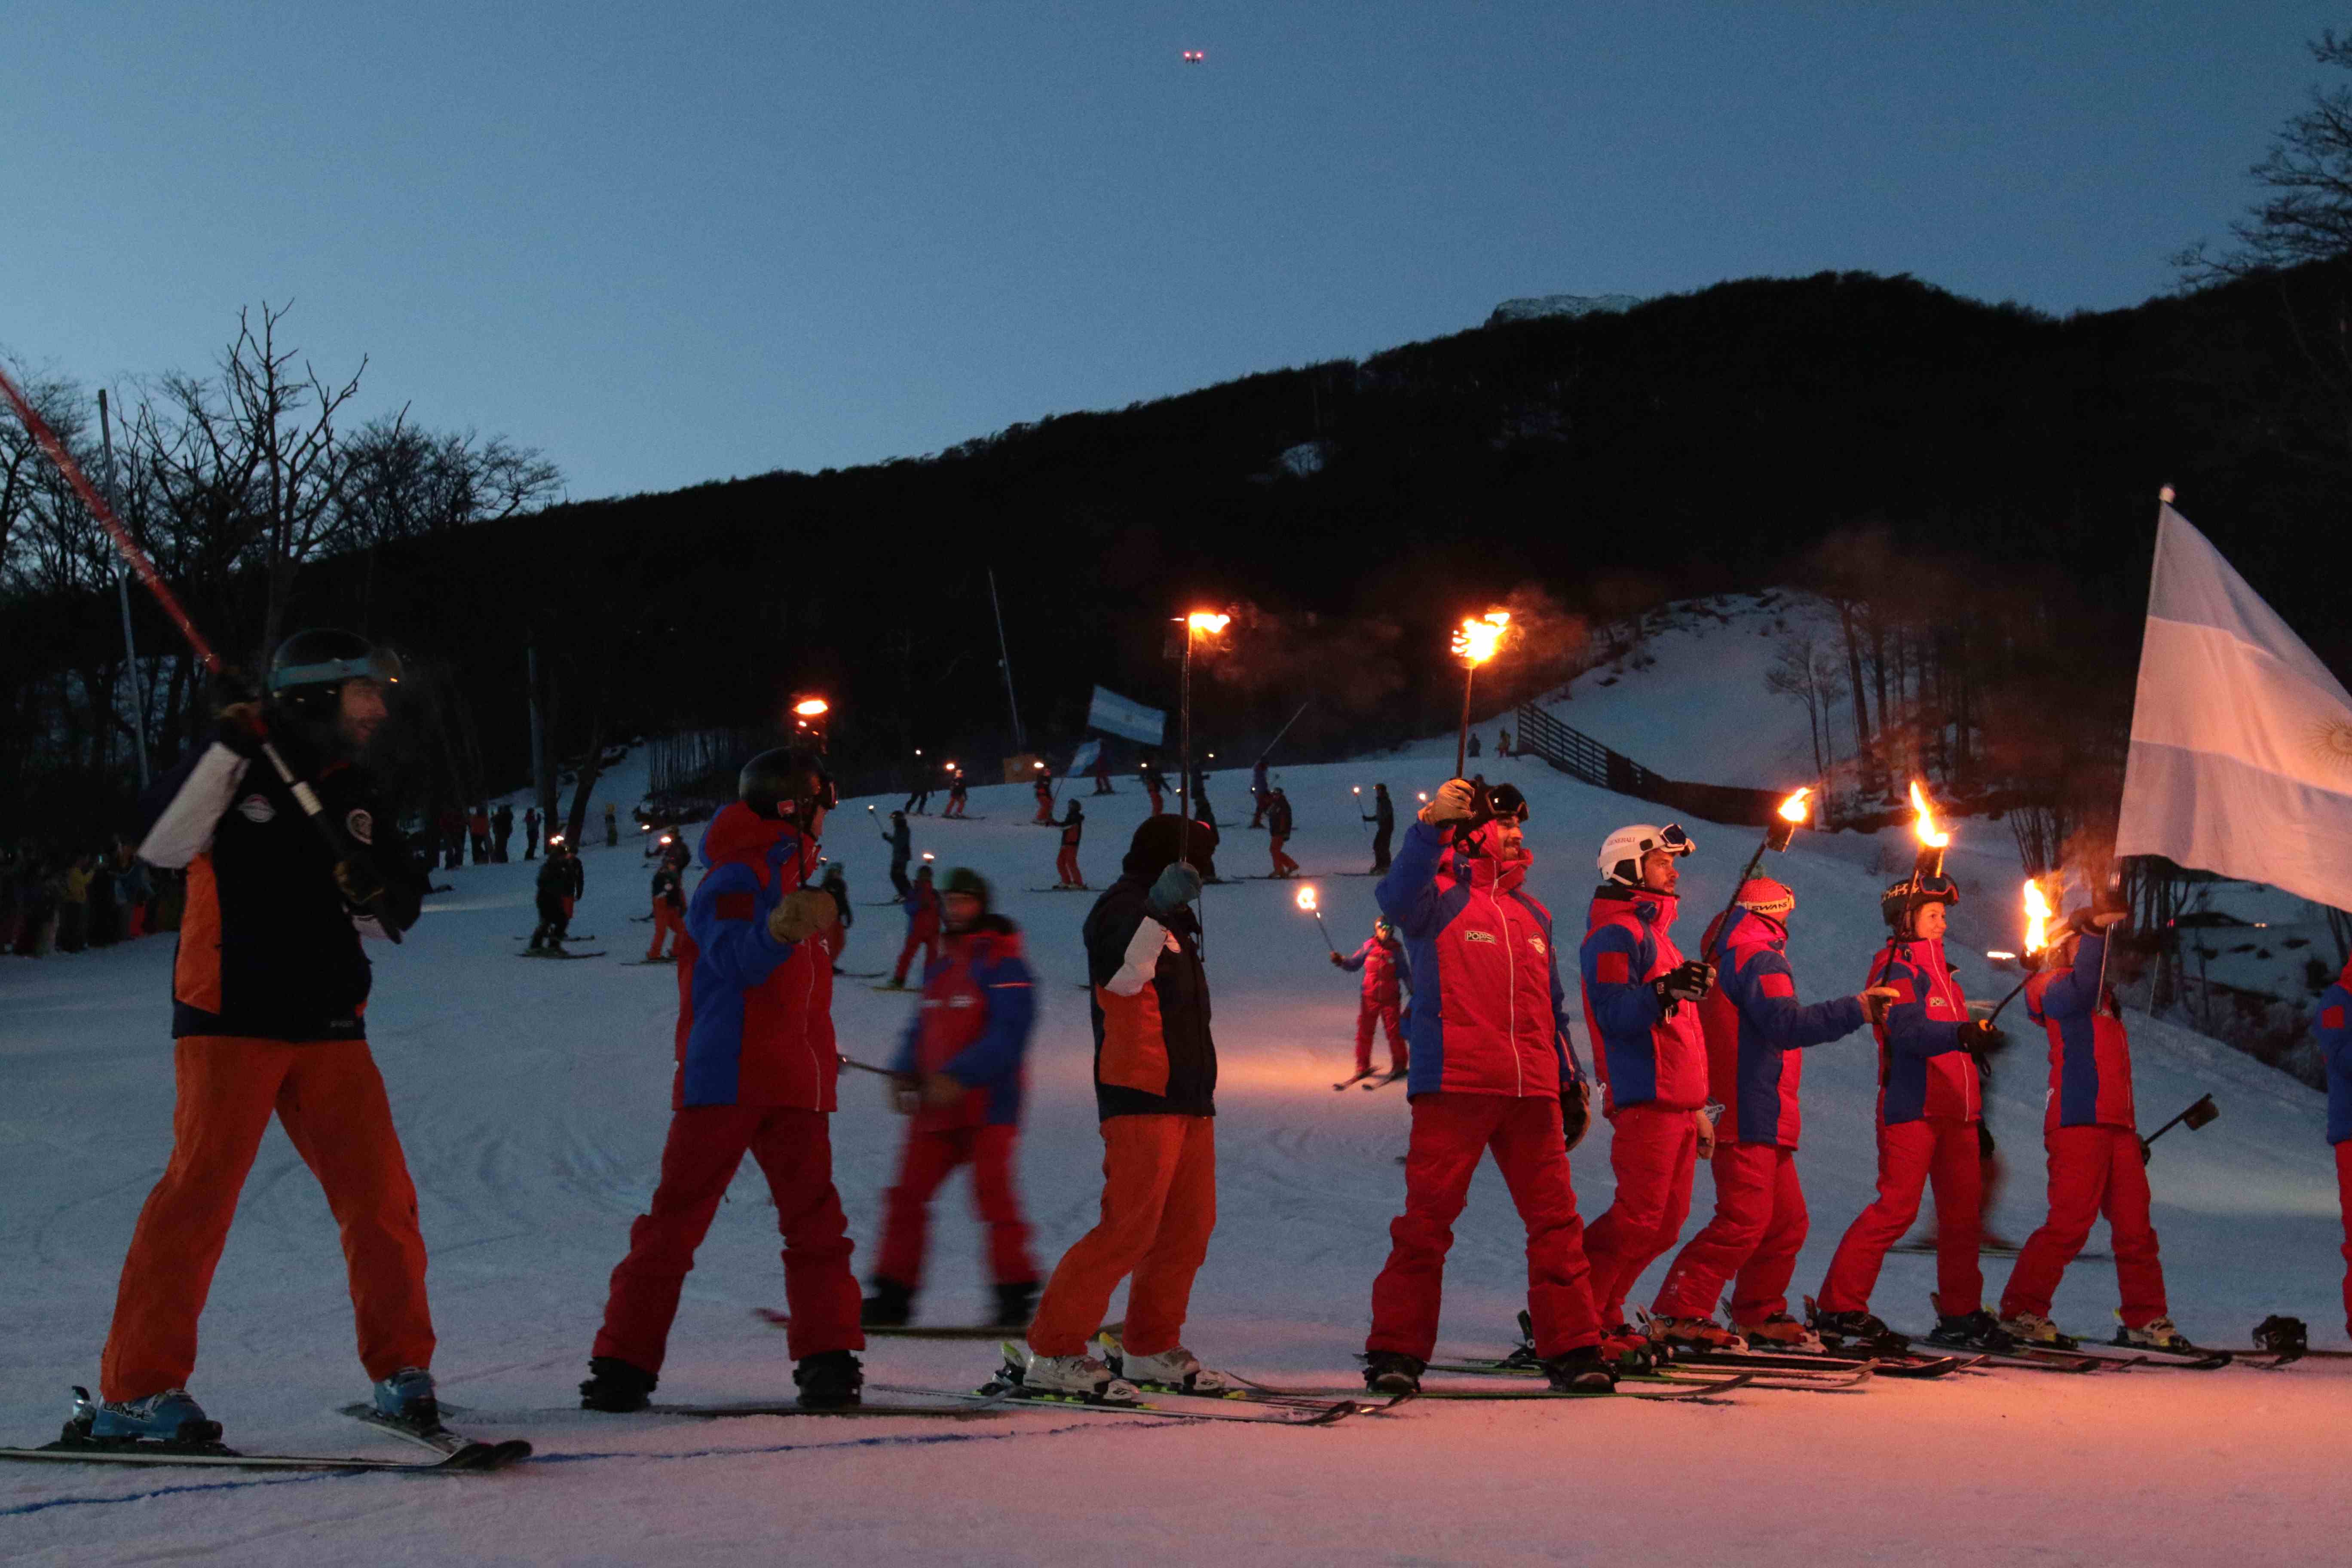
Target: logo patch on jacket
960, 1000
1477, 936
1538, 944
255, 809
359, 826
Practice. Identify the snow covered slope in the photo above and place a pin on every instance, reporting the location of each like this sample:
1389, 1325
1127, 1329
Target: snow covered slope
533, 1097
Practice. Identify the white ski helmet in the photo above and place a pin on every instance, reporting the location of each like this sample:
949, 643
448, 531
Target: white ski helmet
1621, 851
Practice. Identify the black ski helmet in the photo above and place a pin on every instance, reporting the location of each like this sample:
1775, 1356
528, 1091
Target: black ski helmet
1902, 901
308, 671
787, 783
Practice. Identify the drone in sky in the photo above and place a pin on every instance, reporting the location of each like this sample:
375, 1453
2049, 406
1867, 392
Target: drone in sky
1195, 57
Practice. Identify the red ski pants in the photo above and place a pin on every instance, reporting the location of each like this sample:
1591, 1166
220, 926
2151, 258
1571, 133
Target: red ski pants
668, 926
330, 1098
2092, 1170
2344, 1198
1654, 1153
1911, 1155
1759, 1226
1159, 1205
1065, 865
1384, 1014
1449, 1134
1155, 802
1283, 864
928, 945
706, 1144
926, 1162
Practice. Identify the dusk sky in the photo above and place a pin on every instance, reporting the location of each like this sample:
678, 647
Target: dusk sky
674, 243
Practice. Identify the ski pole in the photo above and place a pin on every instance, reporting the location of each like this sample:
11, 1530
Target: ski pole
144, 568
866, 1067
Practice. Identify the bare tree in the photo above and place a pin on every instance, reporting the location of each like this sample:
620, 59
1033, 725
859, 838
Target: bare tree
1806, 670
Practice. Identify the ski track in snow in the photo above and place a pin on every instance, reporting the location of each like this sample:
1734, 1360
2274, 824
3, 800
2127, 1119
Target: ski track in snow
532, 1102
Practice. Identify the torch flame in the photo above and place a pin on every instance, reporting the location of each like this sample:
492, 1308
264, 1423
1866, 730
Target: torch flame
1476, 640
1924, 825
1306, 899
812, 707
1205, 621
2037, 917
1794, 808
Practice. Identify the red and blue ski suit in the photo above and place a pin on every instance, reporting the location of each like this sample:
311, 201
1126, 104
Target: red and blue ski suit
756, 1065
1384, 965
1928, 1106
2093, 1138
2333, 1030
1490, 1061
979, 1004
1653, 1067
1757, 1033
922, 907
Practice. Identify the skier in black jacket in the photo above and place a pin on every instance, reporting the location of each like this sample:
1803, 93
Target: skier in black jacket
1383, 819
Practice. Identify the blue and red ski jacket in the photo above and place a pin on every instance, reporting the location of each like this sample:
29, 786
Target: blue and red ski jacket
1922, 1071
754, 1014
2335, 1031
1645, 1056
1384, 965
1489, 1015
979, 1004
1756, 1032
2090, 1056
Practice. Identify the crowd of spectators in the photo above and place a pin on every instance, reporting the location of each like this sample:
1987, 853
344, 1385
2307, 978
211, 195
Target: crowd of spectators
60, 899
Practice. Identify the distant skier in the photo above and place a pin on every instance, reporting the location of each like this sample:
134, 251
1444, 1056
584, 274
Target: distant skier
902, 850
1278, 808
555, 898
477, 826
1042, 786
1928, 1106
270, 995
1202, 810
960, 1084
2333, 1030
531, 833
502, 831
1065, 865
1473, 743
1383, 820
918, 791
452, 838
2097, 1165
1502, 743
611, 827
1638, 991
1154, 784
1756, 1035
959, 794
1492, 1072
1260, 797
669, 906
756, 1068
1102, 772
922, 903
577, 870
1386, 973
1155, 1084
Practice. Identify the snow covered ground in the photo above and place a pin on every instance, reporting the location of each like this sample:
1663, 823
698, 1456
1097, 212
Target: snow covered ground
534, 1096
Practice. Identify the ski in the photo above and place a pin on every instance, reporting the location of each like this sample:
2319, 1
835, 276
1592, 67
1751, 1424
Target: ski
1700, 1392
1385, 1080
899, 989
526, 937
792, 1407
480, 1453
538, 953
649, 963
861, 974
1351, 1082
1006, 1396
2026, 1358
1906, 1365
774, 1319
2120, 1351
1059, 889
1828, 1378
88, 1451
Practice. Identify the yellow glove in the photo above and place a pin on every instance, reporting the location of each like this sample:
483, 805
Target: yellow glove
801, 915
1450, 804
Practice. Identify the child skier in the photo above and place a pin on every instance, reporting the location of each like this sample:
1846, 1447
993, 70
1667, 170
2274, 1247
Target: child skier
1386, 970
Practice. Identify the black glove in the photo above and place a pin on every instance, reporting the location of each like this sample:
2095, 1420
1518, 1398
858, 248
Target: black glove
1335, 960
358, 878
1686, 981
1980, 1038
1575, 1114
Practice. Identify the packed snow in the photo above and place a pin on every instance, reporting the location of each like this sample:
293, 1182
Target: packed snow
532, 1099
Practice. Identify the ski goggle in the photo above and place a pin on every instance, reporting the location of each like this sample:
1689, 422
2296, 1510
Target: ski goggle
1506, 801
1672, 839
379, 664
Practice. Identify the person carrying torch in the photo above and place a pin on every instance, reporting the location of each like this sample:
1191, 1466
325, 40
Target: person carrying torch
2332, 1029
1491, 1071
1930, 1102
2097, 1162
1386, 970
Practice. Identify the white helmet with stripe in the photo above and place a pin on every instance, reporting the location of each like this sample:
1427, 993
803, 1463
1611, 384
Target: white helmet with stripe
1621, 851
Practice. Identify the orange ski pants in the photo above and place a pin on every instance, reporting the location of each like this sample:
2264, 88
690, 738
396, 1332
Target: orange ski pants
330, 1099
669, 925
1159, 1205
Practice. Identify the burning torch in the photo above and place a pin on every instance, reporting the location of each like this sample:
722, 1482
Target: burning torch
1786, 820
351, 869
808, 716
1198, 624
1306, 902
1476, 641
1928, 864
2037, 941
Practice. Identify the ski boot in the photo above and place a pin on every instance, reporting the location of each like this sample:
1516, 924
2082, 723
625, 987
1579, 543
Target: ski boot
2157, 1334
1014, 1302
1580, 1371
2036, 1332
1977, 1331
1080, 1374
1177, 1370
1783, 1334
407, 1399
1392, 1372
830, 1380
1860, 1330
2281, 1336
171, 1416
617, 1385
891, 1307
1702, 1334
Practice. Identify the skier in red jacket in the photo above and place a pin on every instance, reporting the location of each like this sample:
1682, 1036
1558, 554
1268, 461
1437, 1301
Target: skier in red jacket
756, 1065
1066, 864
922, 904
1384, 967
959, 1082
1491, 1071
2097, 1165
1651, 1053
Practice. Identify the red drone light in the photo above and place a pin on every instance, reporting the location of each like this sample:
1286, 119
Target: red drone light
1195, 57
